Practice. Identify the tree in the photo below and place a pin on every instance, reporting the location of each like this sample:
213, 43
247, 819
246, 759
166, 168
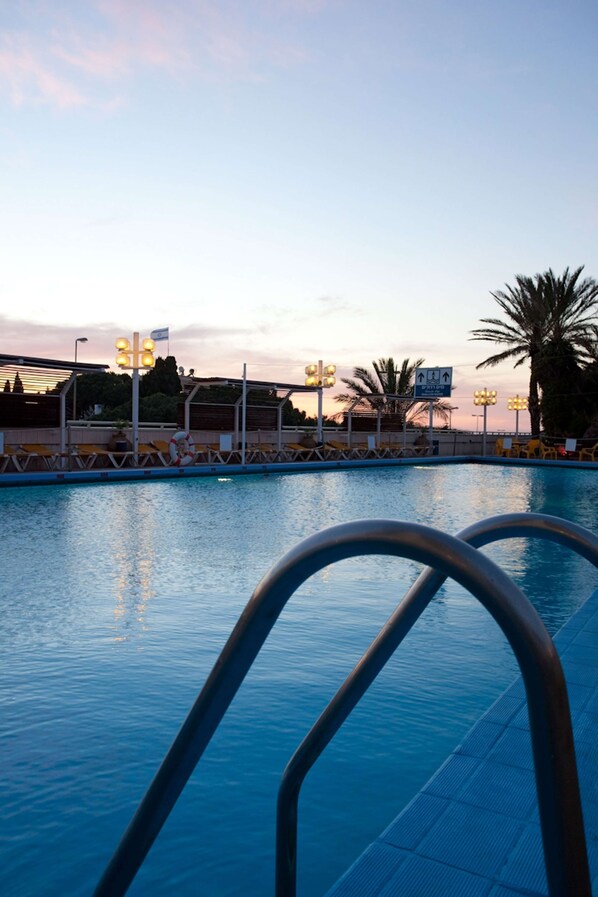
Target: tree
163, 378
380, 389
559, 378
538, 310
7, 386
570, 390
18, 384
102, 388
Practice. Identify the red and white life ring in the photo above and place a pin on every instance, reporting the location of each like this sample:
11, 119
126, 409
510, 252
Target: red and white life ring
182, 449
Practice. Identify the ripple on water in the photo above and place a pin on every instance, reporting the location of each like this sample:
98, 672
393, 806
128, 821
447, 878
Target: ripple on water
119, 603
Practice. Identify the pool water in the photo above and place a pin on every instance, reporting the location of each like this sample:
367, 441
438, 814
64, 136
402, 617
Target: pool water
116, 600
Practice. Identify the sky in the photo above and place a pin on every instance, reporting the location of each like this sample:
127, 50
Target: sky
284, 181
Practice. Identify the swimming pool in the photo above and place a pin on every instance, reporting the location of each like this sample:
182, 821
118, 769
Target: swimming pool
116, 600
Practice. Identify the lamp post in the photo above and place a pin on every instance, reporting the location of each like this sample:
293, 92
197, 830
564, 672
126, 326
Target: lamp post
484, 397
80, 339
135, 359
477, 421
321, 377
517, 403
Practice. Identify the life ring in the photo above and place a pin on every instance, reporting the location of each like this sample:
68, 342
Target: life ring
182, 449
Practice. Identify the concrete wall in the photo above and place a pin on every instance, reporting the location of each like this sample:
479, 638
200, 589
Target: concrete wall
450, 442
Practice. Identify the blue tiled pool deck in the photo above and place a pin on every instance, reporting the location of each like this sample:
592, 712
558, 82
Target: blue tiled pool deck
473, 830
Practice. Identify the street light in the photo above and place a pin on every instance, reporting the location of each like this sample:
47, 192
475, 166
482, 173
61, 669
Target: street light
135, 359
484, 397
80, 339
477, 421
517, 403
322, 378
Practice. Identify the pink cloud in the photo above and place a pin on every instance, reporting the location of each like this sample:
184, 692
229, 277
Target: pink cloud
30, 78
66, 61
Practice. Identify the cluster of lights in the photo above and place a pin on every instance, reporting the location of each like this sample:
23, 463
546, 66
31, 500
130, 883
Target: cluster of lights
484, 397
134, 357
517, 403
319, 376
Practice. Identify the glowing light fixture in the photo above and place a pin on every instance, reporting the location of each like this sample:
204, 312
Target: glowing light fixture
517, 403
134, 359
321, 377
484, 397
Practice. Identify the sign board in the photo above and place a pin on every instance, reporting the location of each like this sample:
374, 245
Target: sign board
433, 383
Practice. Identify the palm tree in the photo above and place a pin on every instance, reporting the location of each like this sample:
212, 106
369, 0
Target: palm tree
388, 388
573, 306
540, 309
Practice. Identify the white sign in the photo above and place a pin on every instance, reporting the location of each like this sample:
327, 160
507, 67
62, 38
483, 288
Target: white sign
433, 383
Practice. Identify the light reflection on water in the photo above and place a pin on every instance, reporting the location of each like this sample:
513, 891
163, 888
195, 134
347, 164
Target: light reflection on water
116, 600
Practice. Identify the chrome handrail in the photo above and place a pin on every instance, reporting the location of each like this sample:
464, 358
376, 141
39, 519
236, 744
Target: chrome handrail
375, 658
552, 739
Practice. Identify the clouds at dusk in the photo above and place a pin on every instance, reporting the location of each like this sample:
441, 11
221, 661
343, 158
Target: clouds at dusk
88, 54
283, 181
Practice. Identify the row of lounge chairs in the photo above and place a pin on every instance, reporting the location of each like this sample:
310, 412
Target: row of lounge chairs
30, 456
537, 448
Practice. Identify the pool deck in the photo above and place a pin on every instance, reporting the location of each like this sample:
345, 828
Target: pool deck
473, 830
58, 477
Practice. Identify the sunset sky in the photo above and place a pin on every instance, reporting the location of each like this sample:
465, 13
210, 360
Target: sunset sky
282, 181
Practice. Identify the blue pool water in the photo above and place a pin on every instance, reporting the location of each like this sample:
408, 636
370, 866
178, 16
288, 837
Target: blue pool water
115, 602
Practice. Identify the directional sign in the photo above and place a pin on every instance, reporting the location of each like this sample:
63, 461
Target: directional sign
433, 383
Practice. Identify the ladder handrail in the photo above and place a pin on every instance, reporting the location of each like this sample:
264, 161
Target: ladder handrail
377, 655
540, 666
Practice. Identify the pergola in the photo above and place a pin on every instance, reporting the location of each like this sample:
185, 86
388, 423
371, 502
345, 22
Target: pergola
240, 406
39, 378
287, 389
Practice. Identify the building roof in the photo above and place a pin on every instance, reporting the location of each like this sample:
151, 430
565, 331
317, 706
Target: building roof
274, 386
39, 375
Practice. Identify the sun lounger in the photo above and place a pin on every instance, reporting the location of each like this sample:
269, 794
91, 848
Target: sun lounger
339, 450
15, 458
223, 456
163, 449
368, 450
261, 453
48, 456
294, 451
147, 454
87, 455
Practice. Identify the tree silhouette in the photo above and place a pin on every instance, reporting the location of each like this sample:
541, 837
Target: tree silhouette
378, 390
538, 310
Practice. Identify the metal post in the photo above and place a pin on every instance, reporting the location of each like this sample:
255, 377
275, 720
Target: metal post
431, 425
80, 339
320, 401
484, 433
75, 385
135, 434
244, 415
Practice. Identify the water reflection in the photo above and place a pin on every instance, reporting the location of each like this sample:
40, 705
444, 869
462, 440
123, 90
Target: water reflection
135, 534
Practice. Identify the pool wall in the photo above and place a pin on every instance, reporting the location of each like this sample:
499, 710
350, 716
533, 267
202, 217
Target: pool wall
53, 478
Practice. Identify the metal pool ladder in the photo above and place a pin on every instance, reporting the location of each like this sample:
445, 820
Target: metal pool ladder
557, 784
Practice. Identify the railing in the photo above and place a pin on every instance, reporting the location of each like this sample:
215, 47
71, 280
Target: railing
550, 723
383, 647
